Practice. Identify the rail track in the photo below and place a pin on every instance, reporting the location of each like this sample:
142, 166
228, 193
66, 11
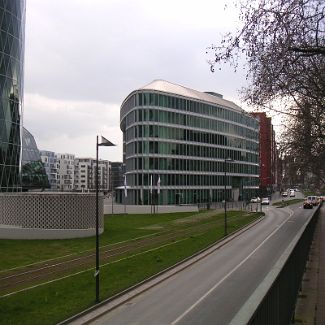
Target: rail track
28, 276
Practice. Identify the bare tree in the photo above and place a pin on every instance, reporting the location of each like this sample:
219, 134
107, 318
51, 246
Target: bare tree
279, 39
304, 140
284, 45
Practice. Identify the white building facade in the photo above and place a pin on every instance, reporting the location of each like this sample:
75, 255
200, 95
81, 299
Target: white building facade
65, 163
49, 160
59, 168
69, 173
85, 171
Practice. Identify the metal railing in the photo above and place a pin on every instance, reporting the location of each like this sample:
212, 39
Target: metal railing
275, 302
235, 205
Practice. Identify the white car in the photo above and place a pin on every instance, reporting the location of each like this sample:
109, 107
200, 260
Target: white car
255, 200
292, 193
265, 201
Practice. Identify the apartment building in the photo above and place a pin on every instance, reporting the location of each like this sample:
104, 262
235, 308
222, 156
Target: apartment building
85, 171
268, 154
49, 160
65, 164
59, 168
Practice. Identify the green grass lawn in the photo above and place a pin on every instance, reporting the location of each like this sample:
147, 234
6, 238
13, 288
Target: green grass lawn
55, 301
118, 228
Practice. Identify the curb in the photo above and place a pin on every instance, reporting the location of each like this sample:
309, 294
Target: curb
90, 314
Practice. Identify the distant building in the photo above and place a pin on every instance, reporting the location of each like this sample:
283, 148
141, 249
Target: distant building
117, 174
65, 163
268, 154
33, 174
183, 137
69, 173
85, 171
12, 44
59, 169
293, 175
49, 161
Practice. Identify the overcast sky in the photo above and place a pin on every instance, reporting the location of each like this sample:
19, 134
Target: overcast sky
83, 57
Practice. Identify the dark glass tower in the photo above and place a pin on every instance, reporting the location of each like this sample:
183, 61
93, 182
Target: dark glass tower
12, 35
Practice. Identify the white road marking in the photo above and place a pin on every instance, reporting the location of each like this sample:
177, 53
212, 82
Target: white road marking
230, 273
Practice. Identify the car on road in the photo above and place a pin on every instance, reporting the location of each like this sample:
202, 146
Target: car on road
265, 201
284, 194
308, 204
313, 199
292, 193
255, 200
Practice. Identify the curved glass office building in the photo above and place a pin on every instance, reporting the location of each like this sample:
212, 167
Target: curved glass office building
182, 146
33, 173
12, 29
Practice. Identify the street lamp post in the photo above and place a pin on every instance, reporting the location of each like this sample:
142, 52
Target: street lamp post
225, 196
104, 142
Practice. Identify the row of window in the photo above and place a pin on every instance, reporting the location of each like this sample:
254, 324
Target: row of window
170, 133
185, 120
179, 149
211, 110
173, 164
184, 180
181, 196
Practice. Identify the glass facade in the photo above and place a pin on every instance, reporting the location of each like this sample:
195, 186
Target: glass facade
12, 26
184, 141
33, 173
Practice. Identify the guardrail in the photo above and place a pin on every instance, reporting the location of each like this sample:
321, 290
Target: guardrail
274, 300
240, 205
232, 205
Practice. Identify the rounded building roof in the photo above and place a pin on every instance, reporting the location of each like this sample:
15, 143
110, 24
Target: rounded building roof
168, 87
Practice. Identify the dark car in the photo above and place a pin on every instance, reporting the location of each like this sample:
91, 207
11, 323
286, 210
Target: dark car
308, 204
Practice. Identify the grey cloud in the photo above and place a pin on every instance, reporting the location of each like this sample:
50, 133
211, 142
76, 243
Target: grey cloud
104, 51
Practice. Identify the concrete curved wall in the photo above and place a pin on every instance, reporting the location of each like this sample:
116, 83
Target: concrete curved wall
46, 215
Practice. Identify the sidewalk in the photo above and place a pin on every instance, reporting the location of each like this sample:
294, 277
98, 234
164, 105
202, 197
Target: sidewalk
310, 307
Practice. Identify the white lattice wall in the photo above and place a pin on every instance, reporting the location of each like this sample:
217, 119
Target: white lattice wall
66, 211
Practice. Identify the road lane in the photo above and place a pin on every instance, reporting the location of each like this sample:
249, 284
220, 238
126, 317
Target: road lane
213, 290
222, 304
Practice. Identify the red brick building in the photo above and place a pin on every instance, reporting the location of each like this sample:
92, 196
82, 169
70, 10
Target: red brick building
268, 154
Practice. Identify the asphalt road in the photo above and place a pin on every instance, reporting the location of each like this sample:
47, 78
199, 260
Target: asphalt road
212, 290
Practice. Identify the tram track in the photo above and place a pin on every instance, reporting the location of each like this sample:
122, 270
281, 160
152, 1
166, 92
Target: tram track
24, 277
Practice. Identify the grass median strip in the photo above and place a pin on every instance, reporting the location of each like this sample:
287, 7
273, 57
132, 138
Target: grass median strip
118, 228
55, 301
282, 204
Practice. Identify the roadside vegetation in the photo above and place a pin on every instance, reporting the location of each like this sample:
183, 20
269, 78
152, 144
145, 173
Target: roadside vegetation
55, 299
282, 204
282, 45
118, 228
